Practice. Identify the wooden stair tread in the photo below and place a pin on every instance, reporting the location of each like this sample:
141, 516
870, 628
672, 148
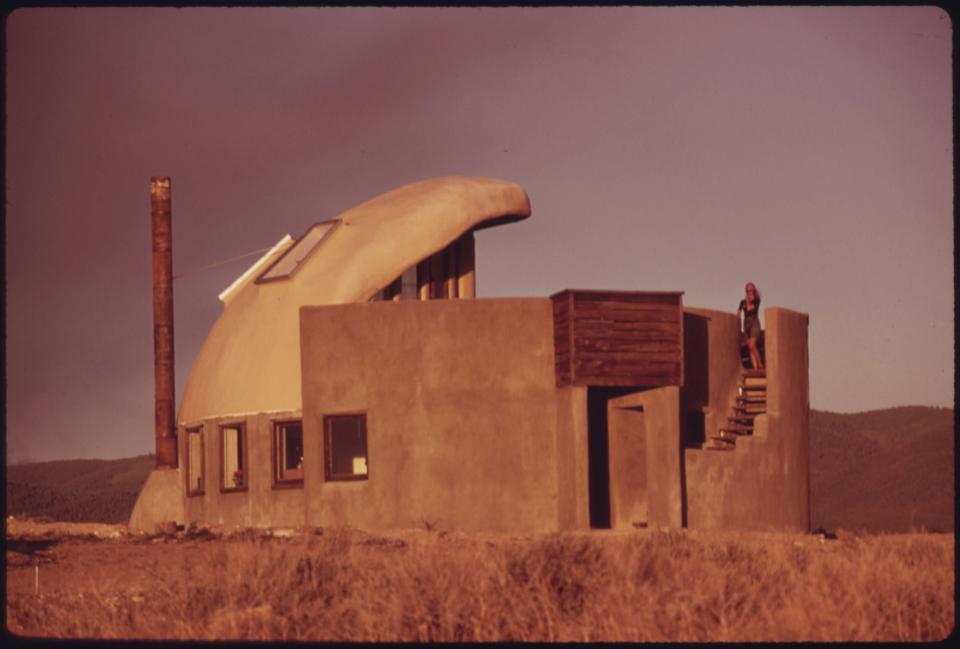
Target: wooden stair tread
722, 438
718, 447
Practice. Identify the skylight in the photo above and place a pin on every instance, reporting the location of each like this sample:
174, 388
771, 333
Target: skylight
293, 258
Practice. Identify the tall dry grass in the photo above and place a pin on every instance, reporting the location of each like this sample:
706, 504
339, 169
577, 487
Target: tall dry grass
419, 586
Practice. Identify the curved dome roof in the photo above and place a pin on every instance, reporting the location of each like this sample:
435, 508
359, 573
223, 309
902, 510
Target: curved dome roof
250, 361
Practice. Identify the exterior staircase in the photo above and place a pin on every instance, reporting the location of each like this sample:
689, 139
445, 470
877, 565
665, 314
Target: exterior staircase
751, 401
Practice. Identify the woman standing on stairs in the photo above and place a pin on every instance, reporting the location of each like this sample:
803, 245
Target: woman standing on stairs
750, 305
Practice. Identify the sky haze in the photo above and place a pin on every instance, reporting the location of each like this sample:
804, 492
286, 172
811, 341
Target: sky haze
806, 149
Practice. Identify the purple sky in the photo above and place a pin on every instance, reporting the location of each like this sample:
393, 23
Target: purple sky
806, 149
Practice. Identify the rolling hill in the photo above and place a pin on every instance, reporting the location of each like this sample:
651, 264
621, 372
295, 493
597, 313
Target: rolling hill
102, 491
888, 470
883, 470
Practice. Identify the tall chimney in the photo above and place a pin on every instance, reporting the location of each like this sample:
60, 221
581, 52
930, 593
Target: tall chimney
165, 418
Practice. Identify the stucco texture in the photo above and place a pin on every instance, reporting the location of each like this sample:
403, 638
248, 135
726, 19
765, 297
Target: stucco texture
764, 483
461, 413
712, 364
651, 435
160, 501
261, 504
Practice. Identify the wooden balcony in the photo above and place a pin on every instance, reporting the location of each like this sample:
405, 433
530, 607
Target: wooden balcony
618, 338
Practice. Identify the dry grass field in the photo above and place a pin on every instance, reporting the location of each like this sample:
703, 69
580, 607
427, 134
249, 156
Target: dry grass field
418, 585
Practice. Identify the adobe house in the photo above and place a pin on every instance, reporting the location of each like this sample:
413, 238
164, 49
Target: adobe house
353, 379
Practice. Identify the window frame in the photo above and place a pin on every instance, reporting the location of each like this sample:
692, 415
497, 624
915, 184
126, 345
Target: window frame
198, 430
262, 277
328, 474
244, 457
280, 482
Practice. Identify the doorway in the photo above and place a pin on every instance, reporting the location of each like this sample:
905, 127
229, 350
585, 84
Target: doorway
598, 452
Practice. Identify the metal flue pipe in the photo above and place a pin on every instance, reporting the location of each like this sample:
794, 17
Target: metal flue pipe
164, 395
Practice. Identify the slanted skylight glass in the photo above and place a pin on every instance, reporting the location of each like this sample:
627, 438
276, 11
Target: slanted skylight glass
291, 260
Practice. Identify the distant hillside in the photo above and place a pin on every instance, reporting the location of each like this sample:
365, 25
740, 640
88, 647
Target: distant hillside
884, 470
77, 490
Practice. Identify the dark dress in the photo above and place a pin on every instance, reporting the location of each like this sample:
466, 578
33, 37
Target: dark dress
751, 318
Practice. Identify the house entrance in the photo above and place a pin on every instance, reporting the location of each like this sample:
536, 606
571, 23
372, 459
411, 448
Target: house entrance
598, 452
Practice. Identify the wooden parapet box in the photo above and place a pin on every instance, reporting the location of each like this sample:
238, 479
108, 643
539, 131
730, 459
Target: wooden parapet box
618, 338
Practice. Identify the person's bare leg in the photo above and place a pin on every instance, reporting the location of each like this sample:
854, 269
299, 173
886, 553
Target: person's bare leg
754, 354
758, 363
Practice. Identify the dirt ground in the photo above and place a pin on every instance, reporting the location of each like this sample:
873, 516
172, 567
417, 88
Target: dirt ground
56, 558
53, 558
47, 558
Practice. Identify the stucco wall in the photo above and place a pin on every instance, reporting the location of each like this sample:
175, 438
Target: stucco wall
662, 453
628, 466
712, 364
262, 504
461, 410
573, 504
764, 483
160, 500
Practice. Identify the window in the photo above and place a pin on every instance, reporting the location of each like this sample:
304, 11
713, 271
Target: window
288, 453
403, 287
345, 447
194, 457
233, 457
448, 273
293, 258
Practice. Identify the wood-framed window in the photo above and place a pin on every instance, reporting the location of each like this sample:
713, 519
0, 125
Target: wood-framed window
345, 447
193, 460
288, 453
233, 457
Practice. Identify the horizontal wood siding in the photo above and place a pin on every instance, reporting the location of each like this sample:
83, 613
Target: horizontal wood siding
618, 338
